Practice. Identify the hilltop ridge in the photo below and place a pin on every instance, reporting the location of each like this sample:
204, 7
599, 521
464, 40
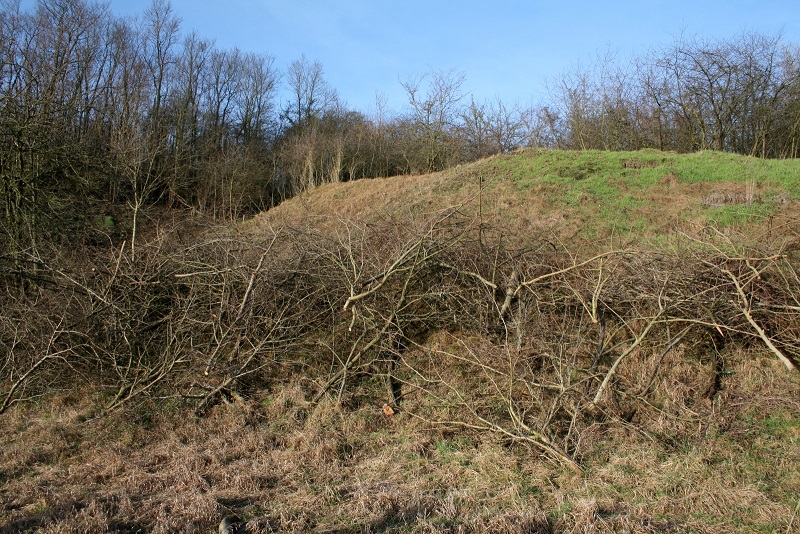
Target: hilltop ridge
577, 194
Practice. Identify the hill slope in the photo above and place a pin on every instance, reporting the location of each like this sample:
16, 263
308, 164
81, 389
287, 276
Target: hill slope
579, 195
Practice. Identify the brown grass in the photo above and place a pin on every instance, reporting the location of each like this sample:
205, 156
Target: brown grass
526, 203
285, 466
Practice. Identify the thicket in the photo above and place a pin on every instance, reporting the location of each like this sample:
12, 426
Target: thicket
449, 320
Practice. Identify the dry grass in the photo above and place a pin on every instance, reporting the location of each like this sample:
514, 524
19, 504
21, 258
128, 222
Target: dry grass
574, 195
285, 466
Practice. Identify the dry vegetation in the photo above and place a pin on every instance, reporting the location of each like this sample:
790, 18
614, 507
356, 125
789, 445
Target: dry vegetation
407, 356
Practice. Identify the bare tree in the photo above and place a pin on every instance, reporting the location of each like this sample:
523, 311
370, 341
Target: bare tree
311, 95
185, 148
51, 78
312, 140
492, 128
161, 33
434, 99
255, 99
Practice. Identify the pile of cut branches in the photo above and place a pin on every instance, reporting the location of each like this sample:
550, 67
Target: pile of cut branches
464, 325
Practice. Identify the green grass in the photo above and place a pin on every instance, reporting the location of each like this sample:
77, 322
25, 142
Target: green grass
590, 167
783, 426
719, 166
637, 193
729, 216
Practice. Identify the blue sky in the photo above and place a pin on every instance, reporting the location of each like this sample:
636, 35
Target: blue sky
506, 49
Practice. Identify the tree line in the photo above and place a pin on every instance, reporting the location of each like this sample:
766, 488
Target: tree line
102, 118
739, 95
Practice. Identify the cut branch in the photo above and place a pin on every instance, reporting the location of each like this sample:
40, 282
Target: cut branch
745, 309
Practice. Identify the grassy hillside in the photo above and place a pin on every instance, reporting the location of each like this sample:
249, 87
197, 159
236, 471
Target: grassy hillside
584, 194
543, 341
